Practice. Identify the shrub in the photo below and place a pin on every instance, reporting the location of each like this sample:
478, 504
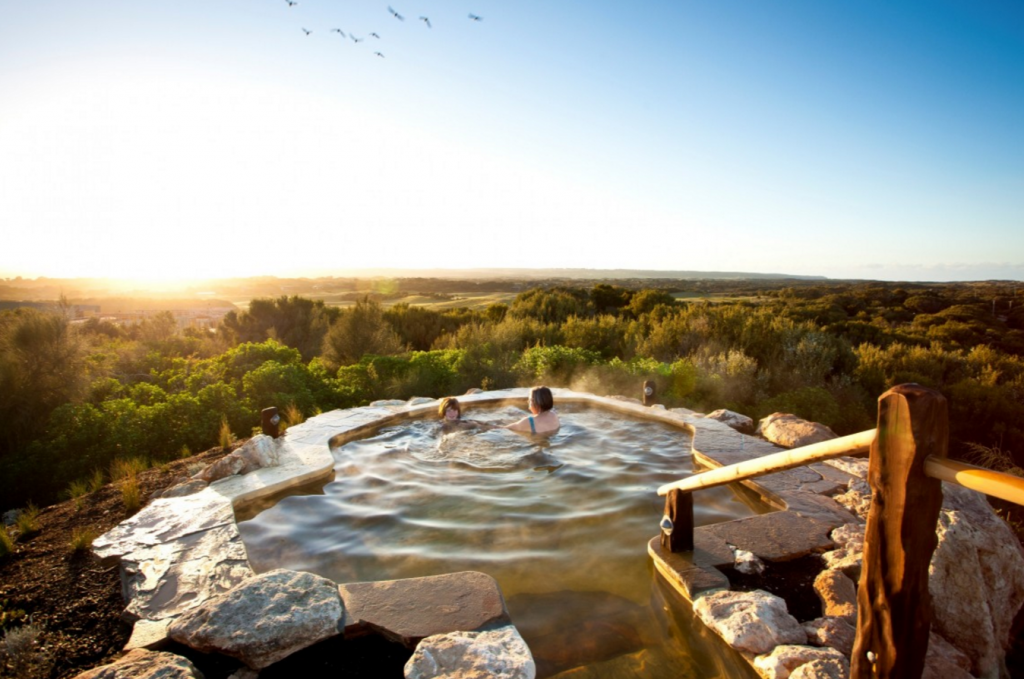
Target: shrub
27, 521
21, 655
81, 539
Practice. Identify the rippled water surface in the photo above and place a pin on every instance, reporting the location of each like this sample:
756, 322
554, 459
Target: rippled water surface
562, 523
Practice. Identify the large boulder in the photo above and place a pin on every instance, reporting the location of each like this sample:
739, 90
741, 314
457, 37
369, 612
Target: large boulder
258, 452
143, 664
492, 654
737, 421
790, 431
265, 619
976, 579
755, 622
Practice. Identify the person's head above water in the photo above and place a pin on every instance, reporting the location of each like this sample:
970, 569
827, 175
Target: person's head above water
541, 398
449, 409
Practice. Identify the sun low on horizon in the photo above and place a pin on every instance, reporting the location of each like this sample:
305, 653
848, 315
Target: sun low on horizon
180, 141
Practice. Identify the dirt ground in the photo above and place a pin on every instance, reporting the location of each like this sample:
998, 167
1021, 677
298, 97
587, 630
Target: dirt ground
76, 601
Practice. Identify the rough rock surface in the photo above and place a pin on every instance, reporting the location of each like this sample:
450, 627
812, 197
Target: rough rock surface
411, 609
755, 622
790, 431
944, 660
258, 452
837, 633
265, 619
143, 664
148, 634
494, 654
838, 594
830, 668
165, 580
857, 498
976, 579
735, 420
784, 659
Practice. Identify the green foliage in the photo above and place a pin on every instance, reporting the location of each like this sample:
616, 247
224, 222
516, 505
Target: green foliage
556, 365
294, 321
6, 548
551, 306
359, 331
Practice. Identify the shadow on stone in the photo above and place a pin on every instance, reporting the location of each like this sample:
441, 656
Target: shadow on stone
791, 580
368, 657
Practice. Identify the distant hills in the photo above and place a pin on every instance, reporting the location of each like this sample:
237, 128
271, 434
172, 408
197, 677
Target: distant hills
587, 274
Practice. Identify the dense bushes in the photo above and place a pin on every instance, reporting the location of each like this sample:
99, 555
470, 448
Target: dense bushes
74, 399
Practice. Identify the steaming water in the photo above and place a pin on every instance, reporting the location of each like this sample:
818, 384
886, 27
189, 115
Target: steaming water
562, 524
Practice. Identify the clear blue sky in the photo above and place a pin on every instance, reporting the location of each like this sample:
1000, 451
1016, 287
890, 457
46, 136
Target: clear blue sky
161, 139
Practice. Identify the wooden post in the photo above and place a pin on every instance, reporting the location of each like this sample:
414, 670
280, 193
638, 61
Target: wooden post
650, 393
678, 510
894, 606
269, 419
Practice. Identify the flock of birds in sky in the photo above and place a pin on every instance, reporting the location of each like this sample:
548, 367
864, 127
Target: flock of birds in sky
352, 36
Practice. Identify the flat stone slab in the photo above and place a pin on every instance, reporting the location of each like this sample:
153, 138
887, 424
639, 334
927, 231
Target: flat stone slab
143, 664
778, 536
690, 572
165, 580
148, 634
409, 610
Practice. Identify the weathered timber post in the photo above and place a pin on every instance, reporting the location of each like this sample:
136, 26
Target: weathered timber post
677, 532
269, 419
650, 393
894, 606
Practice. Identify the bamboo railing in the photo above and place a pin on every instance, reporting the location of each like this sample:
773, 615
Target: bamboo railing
907, 463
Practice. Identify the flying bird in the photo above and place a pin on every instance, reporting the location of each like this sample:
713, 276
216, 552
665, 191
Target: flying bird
375, 35
355, 39
306, 31
396, 14
426, 21
292, 3
338, 31
475, 17
379, 55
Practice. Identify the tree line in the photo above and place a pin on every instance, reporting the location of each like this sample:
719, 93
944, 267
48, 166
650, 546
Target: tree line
77, 397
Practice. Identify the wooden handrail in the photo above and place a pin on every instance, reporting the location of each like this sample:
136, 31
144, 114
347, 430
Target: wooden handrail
996, 484
776, 462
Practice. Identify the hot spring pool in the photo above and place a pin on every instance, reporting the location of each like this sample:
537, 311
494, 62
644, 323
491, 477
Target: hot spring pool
562, 524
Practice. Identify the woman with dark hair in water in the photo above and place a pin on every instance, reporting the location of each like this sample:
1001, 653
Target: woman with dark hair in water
543, 420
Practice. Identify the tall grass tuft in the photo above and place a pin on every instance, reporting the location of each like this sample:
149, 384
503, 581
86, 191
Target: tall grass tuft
97, 480
6, 543
131, 495
27, 522
81, 539
225, 437
994, 458
122, 468
291, 417
185, 452
76, 490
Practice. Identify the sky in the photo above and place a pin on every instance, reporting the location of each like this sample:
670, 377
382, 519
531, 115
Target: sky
173, 139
